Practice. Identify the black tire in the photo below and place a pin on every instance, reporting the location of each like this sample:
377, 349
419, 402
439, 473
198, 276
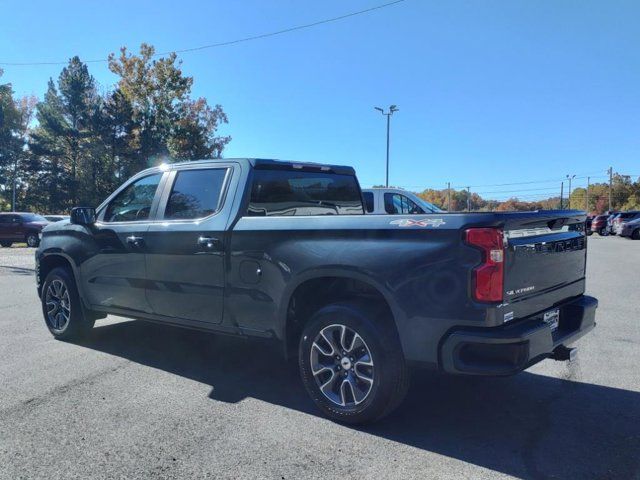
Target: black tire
6, 244
75, 324
602, 232
388, 371
32, 240
635, 235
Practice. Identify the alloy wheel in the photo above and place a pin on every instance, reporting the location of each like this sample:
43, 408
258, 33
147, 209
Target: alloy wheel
58, 305
342, 365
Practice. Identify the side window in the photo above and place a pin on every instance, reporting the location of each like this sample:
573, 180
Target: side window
368, 201
395, 203
133, 204
195, 193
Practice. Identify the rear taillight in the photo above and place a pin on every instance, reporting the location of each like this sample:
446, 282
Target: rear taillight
488, 277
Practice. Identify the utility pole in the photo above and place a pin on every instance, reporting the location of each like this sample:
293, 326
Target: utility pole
561, 193
610, 172
13, 194
448, 196
569, 177
392, 108
468, 199
586, 208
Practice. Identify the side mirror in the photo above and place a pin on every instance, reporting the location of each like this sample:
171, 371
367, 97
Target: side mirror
83, 215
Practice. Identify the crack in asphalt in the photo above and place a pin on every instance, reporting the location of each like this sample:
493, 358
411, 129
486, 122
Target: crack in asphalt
46, 397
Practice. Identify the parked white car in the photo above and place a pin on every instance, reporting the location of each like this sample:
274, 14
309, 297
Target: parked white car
396, 201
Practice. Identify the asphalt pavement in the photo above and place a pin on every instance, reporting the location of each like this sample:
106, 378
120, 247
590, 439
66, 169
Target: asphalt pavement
138, 400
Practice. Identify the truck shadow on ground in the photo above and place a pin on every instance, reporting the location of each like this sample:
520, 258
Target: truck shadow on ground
528, 426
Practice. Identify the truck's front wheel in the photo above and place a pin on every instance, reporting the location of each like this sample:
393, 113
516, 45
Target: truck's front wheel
352, 363
63, 313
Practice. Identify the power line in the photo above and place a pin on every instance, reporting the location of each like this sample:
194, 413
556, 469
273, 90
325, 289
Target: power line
584, 175
519, 190
531, 182
229, 42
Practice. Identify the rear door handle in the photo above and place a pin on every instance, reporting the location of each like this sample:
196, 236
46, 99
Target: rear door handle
208, 242
134, 241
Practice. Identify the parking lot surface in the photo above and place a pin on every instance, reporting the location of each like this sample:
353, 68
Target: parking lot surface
139, 400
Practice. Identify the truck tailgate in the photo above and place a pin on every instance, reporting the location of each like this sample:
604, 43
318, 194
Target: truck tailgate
544, 254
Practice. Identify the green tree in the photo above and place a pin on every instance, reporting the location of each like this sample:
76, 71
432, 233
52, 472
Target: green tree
168, 123
15, 117
64, 140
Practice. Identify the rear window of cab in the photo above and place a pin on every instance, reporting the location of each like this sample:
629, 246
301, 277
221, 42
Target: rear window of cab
295, 193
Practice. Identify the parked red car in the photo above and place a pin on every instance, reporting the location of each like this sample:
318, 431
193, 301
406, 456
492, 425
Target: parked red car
21, 227
599, 224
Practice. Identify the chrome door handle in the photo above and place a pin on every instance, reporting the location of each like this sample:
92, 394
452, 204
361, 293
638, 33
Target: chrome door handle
207, 242
134, 241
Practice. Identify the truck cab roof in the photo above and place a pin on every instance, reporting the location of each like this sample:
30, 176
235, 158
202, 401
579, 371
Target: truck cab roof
261, 164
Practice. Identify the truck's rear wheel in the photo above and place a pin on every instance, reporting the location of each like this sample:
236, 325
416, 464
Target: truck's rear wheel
352, 364
63, 313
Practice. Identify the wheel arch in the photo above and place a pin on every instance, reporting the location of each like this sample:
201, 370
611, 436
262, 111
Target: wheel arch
48, 261
312, 291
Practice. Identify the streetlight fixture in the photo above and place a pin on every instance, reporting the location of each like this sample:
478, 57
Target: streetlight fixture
570, 177
388, 114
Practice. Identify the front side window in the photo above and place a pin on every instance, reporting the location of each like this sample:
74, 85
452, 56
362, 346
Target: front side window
195, 193
395, 203
288, 192
133, 204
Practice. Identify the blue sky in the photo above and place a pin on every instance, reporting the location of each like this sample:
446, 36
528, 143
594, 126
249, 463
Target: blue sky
489, 92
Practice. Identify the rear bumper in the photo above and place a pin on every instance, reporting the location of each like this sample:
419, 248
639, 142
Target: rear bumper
511, 348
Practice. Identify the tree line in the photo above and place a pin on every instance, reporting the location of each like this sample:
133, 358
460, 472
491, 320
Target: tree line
625, 195
77, 144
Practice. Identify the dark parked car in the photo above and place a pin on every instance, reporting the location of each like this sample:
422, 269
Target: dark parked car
599, 224
284, 251
21, 227
587, 224
631, 229
56, 218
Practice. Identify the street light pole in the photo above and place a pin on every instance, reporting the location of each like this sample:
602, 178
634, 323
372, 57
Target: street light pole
392, 108
569, 177
587, 195
610, 172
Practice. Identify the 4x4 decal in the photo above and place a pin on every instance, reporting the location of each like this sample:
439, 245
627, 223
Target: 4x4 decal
408, 222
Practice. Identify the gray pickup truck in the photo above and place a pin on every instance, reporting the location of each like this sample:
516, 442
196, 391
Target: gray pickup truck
283, 250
